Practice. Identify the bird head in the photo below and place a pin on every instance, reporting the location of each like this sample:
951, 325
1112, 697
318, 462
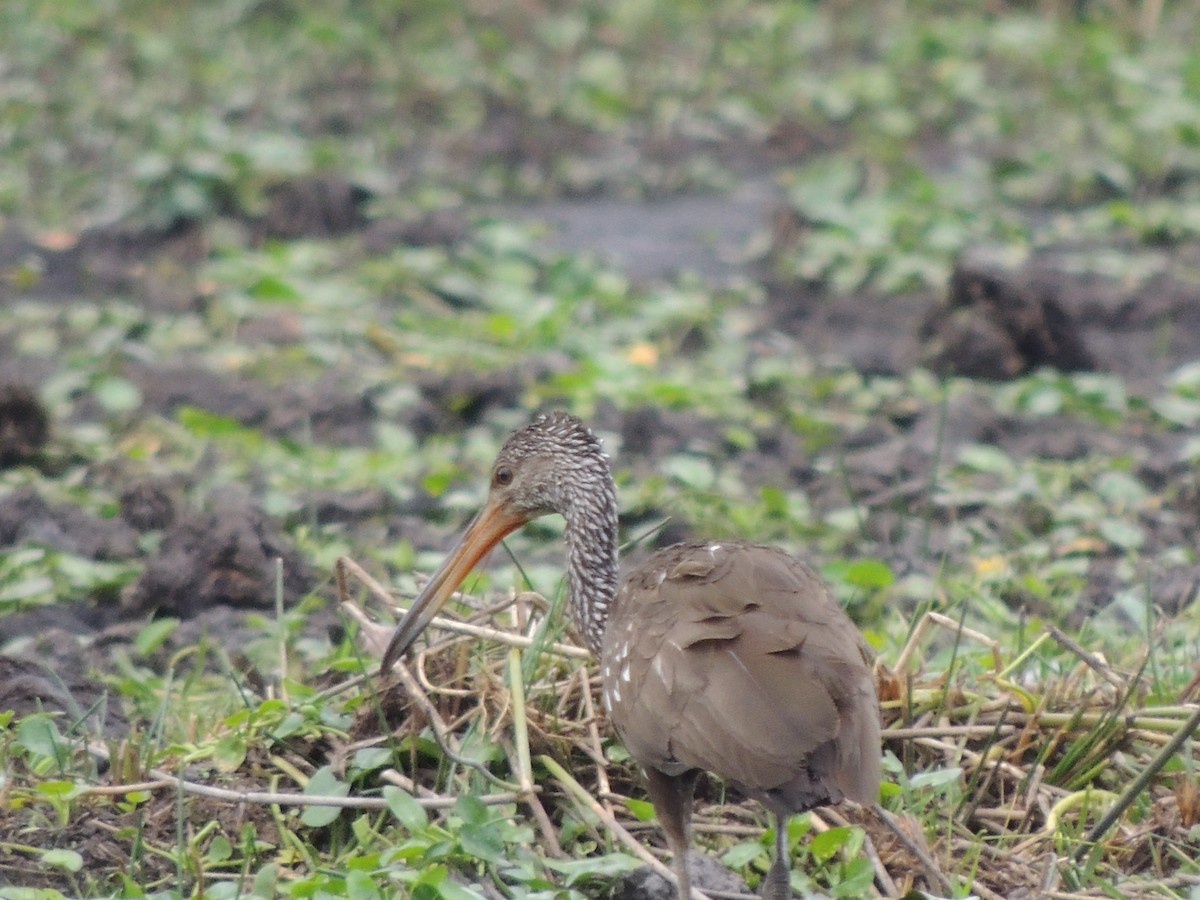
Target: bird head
549, 466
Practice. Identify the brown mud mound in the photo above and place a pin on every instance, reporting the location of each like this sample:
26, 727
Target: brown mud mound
220, 558
24, 425
28, 518
27, 686
1133, 312
325, 411
998, 323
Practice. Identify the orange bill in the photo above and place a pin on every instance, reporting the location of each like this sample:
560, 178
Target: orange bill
486, 530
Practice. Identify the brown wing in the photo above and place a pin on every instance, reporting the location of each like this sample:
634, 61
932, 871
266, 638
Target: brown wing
736, 659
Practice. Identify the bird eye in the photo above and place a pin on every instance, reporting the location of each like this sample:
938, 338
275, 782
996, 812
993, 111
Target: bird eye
502, 476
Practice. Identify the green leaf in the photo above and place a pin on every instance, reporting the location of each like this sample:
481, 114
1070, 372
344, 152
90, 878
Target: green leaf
774, 500
1120, 488
642, 810
39, 735
935, 778
323, 784
360, 886
452, 890
740, 855
482, 841
117, 394
288, 725
1181, 411
693, 471
205, 424
478, 747
471, 810
219, 849
28, 893
607, 866
405, 808
857, 878
369, 759
821, 189
152, 636
28, 589
56, 787
230, 752
63, 859
222, 890
889, 789
272, 287
1122, 534
869, 573
265, 880
986, 458
825, 844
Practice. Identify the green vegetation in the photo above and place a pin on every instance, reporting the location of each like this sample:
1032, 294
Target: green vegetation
1018, 552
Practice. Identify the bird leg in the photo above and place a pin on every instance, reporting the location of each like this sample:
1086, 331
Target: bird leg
672, 799
778, 883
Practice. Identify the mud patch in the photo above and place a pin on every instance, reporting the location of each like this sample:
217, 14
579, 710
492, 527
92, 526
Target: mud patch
452, 401
221, 558
661, 237
99, 831
317, 207
440, 228
27, 518
27, 686
24, 425
149, 504
154, 266
323, 412
1129, 311
997, 323
708, 875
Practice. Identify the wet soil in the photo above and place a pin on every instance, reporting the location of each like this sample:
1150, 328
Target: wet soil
995, 320
209, 565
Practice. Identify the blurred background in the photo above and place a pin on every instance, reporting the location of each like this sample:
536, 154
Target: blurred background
912, 289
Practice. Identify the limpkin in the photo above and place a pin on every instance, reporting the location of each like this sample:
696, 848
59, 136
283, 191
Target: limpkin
722, 656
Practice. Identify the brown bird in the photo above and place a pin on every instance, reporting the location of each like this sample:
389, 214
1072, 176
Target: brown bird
715, 655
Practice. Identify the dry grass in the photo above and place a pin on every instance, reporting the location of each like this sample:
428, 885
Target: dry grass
1044, 775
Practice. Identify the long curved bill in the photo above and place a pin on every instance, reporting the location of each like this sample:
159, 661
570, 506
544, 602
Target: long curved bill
486, 530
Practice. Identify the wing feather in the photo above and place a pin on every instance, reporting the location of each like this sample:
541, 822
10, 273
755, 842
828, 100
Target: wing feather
740, 662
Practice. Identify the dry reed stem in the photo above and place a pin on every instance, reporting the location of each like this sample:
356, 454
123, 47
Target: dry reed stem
522, 762
166, 781
441, 731
346, 567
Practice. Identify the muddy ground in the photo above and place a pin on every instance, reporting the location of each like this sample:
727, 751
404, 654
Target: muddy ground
992, 322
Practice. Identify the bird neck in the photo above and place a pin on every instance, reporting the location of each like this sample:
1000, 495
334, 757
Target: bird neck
591, 538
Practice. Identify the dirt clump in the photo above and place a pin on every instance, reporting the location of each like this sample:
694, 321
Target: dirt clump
453, 401
320, 206
324, 411
998, 324
24, 425
223, 557
148, 504
644, 883
27, 517
27, 686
